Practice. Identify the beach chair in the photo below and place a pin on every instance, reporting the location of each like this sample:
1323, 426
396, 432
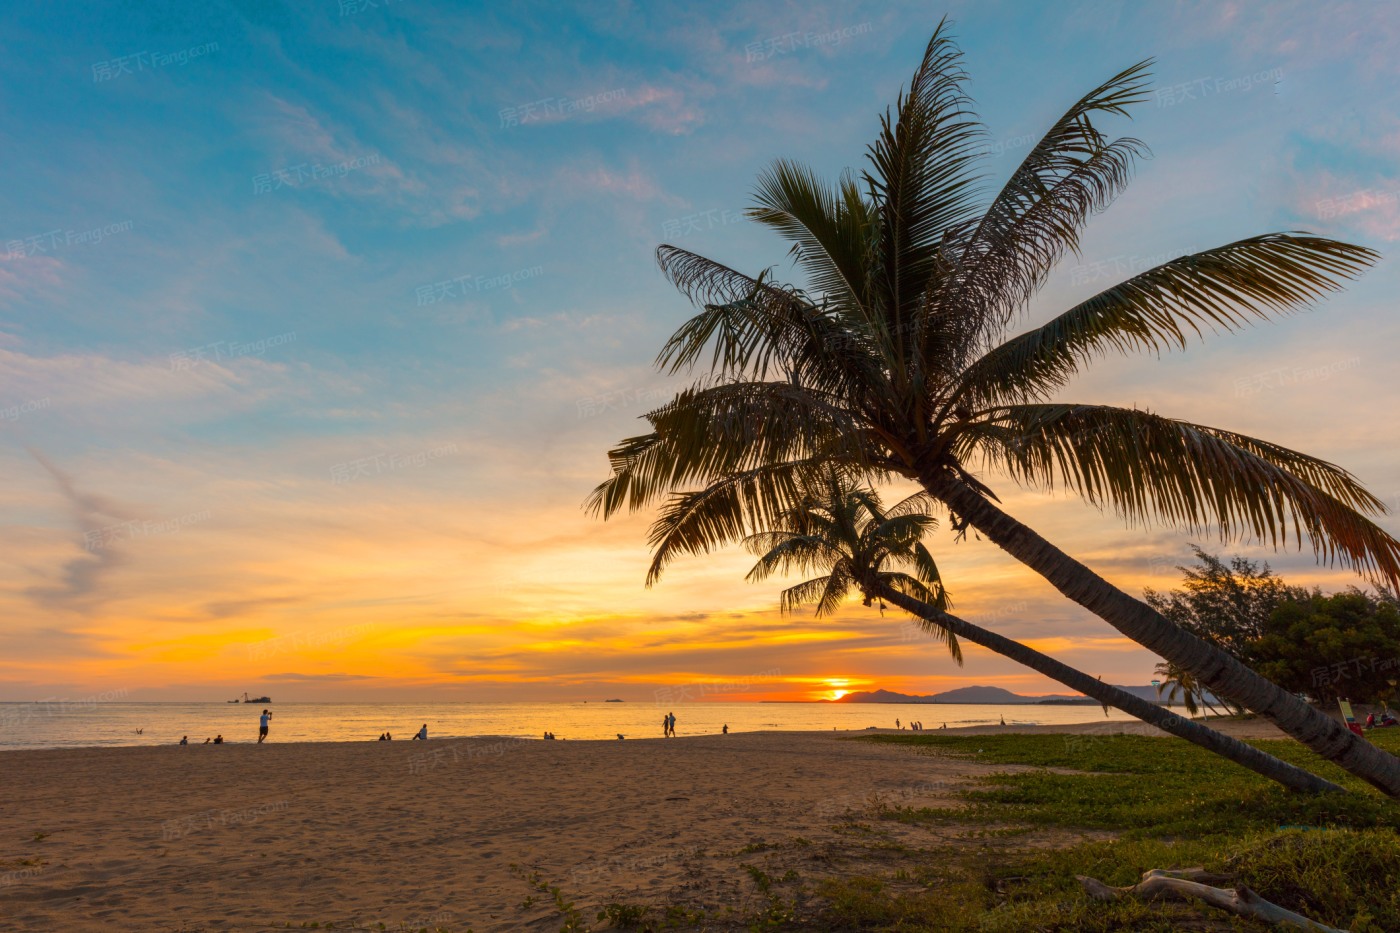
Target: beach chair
1350, 718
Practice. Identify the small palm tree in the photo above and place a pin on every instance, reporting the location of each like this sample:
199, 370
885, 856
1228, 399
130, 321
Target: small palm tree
900, 358
1176, 682
840, 532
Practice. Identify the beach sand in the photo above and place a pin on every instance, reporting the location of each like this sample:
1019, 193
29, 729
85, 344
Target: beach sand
457, 834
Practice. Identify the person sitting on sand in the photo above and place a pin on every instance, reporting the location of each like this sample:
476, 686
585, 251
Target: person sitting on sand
421, 734
207, 740
381, 737
219, 739
184, 740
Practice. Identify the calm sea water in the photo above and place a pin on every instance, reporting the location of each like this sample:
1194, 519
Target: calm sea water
80, 724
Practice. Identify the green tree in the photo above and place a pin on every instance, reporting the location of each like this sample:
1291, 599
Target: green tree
840, 532
899, 359
1343, 645
1227, 604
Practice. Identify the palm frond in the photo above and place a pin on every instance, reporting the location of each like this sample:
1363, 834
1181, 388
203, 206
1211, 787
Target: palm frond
705, 432
1147, 468
754, 328
838, 587
922, 178
796, 554
829, 229
1224, 288
798, 597
733, 506
915, 589
1071, 173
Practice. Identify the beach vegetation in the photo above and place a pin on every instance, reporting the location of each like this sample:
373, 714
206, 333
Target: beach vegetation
1142, 803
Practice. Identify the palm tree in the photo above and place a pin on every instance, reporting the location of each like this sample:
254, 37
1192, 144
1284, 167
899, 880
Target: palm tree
897, 361
840, 532
1176, 682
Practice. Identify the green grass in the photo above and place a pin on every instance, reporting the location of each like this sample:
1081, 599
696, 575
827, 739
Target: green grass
1156, 787
1169, 804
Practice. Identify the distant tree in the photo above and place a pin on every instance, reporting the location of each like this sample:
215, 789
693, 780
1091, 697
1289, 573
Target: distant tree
1346, 644
1178, 682
1226, 604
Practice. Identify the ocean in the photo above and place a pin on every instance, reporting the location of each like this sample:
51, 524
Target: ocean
70, 724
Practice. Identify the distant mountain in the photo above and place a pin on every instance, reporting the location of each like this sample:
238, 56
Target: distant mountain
982, 695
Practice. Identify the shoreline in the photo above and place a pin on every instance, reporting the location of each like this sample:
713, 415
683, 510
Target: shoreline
1238, 728
1254, 728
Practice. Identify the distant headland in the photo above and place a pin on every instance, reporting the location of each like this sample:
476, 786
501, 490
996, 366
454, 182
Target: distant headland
984, 696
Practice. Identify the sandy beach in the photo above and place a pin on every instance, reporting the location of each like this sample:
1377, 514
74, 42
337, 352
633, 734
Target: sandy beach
453, 834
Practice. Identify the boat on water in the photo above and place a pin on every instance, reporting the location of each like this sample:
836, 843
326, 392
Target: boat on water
247, 699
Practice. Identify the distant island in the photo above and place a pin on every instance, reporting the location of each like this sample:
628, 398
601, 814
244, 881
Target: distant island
985, 696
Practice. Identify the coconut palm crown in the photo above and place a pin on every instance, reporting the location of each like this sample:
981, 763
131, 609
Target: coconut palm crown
900, 357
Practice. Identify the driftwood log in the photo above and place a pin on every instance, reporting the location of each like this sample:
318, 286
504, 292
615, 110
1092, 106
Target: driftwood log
1195, 884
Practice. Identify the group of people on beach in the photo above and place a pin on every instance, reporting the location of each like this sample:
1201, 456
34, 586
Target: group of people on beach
919, 726
263, 721
668, 725
421, 734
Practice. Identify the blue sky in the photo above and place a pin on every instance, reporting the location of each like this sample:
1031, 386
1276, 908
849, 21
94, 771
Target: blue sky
245, 362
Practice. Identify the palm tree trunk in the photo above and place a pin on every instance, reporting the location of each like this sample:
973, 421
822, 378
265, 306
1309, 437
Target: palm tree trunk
1248, 756
1217, 669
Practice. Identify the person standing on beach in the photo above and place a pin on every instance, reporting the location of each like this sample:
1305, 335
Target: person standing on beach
673, 725
666, 726
262, 725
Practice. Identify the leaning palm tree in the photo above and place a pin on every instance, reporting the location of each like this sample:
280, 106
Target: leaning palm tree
840, 532
899, 360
